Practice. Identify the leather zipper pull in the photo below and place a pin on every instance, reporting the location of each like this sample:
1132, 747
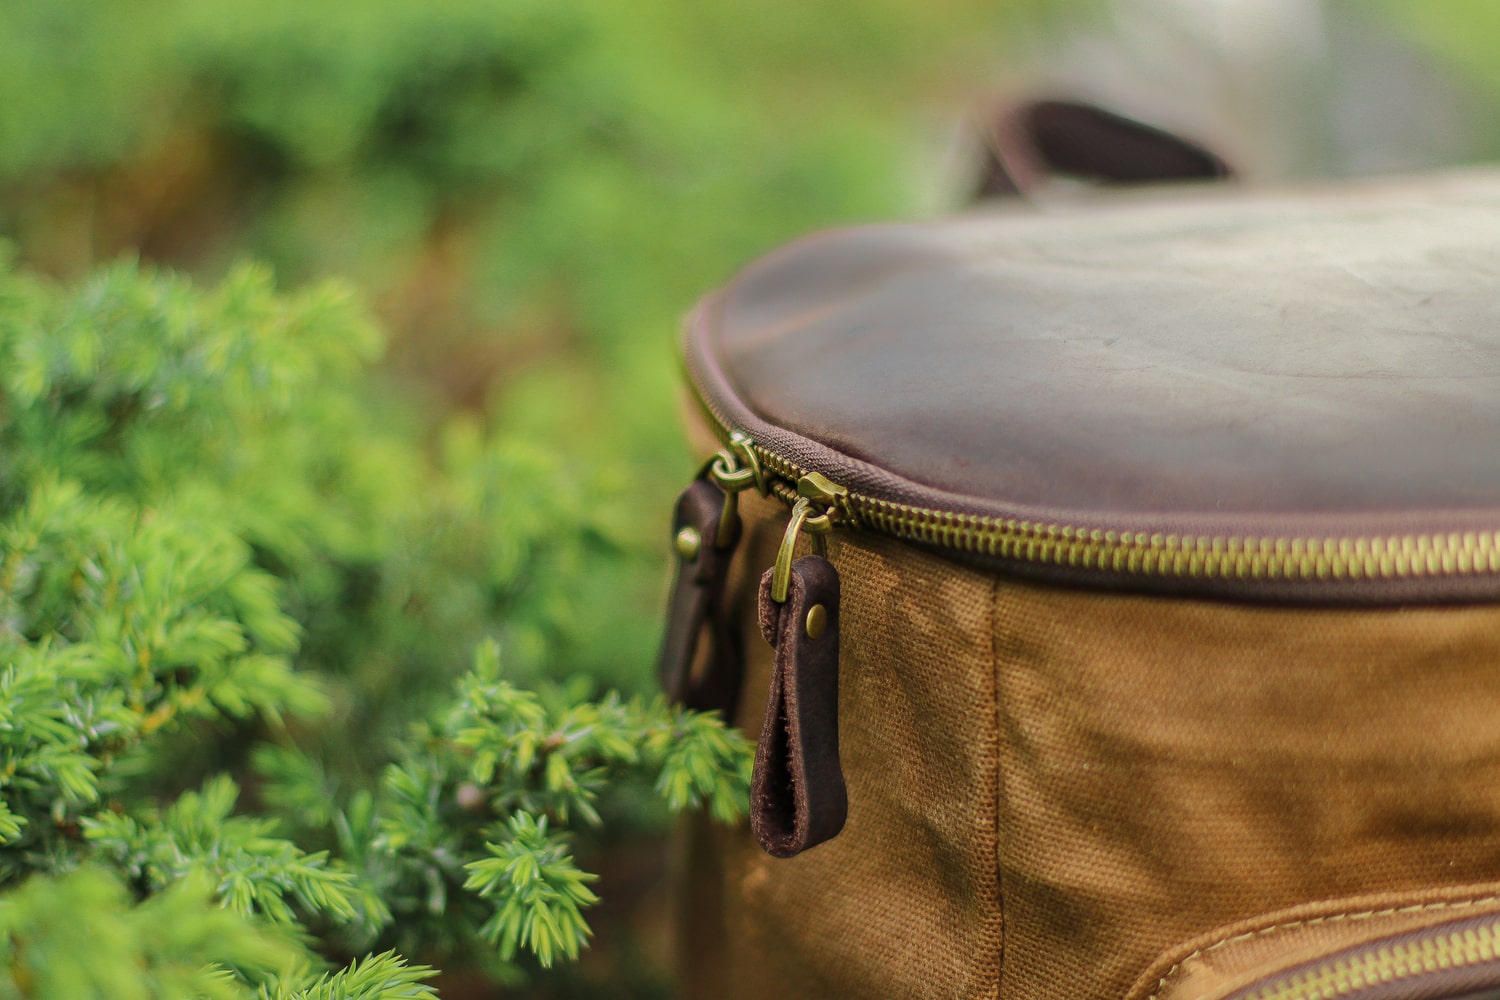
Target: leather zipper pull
797, 794
704, 679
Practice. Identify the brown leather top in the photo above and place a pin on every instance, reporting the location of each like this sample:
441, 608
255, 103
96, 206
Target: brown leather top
1219, 351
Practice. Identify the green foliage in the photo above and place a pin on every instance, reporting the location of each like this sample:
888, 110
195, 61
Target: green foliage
251, 871
466, 837
540, 891
81, 936
1463, 36
190, 481
229, 547
379, 977
1462, 31
532, 191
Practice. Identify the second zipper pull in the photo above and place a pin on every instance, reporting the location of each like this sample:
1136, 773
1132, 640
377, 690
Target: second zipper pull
701, 664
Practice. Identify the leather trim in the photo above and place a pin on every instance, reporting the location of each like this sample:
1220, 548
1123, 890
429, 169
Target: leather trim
797, 794
1372, 487
704, 675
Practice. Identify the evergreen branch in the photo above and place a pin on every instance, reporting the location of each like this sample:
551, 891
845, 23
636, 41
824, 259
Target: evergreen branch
539, 891
191, 495
379, 977
481, 805
80, 937
699, 760
251, 871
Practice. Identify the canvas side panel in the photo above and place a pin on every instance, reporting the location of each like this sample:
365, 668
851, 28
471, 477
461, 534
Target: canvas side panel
1169, 767
904, 902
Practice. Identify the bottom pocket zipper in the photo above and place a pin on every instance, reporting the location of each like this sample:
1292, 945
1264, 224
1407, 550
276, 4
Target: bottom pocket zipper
1459, 960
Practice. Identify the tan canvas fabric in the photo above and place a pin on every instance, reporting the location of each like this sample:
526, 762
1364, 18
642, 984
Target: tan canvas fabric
904, 902
1053, 792
1169, 766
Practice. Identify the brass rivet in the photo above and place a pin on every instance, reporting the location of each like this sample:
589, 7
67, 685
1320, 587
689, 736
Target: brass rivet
817, 620
689, 541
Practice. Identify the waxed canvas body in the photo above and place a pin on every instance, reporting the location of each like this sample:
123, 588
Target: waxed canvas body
1096, 787
1054, 793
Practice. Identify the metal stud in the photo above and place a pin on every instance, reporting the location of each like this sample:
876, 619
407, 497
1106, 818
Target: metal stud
817, 620
689, 541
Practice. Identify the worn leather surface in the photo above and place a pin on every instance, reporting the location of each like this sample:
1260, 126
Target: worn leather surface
797, 794
1213, 353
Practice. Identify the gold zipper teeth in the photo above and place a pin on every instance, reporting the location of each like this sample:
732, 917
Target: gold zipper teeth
1392, 963
1147, 554
1189, 555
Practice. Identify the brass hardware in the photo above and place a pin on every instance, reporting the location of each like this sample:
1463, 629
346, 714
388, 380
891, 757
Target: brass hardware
728, 475
744, 449
689, 542
817, 620
781, 575
820, 489
825, 493
814, 491
729, 518
735, 468
1217, 557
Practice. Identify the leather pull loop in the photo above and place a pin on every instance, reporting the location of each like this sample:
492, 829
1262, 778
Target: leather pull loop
797, 794
706, 679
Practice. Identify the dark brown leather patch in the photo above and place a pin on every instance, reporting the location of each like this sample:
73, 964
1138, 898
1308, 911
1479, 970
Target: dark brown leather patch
1312, 363
797, 794
704, 675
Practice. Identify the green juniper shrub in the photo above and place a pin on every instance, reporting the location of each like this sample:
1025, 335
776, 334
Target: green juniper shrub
230, 547
206, 527
530, 192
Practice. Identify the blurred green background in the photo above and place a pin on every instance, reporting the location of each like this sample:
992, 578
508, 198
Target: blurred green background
530, 193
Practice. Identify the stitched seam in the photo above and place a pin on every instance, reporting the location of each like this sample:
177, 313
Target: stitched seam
1313, 922
999, 778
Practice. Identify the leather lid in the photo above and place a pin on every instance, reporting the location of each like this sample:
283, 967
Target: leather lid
1190, 356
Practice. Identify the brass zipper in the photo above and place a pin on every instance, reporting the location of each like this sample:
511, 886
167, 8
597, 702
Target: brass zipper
1144, 554
1392, 967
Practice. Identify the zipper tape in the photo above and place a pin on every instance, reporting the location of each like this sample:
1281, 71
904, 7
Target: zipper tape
1324, 559
1453, 960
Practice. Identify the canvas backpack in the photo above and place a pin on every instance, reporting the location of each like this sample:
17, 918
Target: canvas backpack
1113, 589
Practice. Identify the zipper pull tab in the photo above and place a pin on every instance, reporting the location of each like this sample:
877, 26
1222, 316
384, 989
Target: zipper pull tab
797, 793
706, 530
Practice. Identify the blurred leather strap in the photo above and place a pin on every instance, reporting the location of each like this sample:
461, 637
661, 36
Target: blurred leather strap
1034, 141
700, 660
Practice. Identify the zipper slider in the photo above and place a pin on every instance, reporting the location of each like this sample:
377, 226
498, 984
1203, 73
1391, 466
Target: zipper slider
735, 469
815, 492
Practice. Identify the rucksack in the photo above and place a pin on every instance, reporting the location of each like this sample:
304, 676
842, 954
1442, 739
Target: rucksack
1113, 589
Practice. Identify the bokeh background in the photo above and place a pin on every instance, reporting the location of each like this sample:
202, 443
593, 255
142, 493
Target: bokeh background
529, 194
